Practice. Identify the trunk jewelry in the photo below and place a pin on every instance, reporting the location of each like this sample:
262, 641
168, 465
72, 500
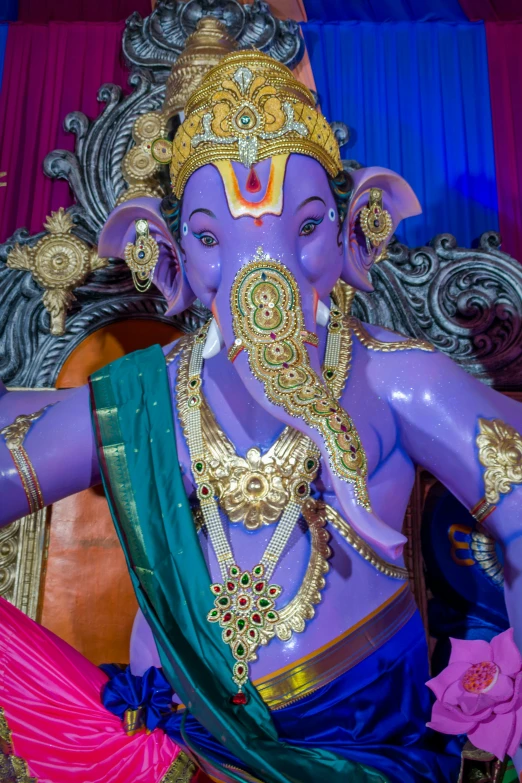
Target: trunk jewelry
376, 222
268, 321
244, 602
14, 435
142, 256
254, 489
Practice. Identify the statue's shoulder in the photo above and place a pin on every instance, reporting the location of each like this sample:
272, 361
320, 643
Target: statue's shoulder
380, 340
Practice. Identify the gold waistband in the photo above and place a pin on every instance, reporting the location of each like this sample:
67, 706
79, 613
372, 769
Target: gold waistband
301, 678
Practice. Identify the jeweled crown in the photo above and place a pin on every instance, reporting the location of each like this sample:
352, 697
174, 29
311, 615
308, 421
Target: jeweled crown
248, 108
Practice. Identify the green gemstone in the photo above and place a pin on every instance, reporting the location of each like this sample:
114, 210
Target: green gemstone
329, 373
223, 601
199, 467
263, 603
240, 624
240, 650
310, 465
271, 616
245, 579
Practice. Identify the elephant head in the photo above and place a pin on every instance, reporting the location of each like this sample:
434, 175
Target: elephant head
296, 227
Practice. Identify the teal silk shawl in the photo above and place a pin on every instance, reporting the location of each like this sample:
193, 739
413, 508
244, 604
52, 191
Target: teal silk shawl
133, 421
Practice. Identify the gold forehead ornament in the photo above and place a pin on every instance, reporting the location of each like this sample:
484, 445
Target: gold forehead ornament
247, 108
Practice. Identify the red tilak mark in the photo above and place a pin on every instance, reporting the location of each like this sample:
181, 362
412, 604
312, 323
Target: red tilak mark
253, 184
258, 222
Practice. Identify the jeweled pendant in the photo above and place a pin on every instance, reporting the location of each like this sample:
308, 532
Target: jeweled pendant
243, 605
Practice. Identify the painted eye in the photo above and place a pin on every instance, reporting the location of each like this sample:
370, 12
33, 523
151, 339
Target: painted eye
206, 239
185, 229
309, 226
331, 214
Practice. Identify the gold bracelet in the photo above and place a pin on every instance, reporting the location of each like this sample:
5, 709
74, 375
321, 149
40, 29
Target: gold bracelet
14, 435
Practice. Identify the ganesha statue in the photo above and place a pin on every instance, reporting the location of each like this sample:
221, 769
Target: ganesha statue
258, 473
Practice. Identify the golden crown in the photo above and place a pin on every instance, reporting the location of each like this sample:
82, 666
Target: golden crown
247, 108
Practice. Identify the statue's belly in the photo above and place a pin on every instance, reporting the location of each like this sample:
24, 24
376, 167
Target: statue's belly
354, 590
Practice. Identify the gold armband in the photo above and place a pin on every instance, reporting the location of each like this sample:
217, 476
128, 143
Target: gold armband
500, 452
14, 435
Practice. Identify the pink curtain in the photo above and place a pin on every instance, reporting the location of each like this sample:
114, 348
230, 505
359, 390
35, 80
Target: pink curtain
49, 71
80, 10
492, 10
505, 77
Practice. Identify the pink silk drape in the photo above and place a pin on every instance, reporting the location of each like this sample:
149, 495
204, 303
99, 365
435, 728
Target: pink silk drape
504, 42
50, 70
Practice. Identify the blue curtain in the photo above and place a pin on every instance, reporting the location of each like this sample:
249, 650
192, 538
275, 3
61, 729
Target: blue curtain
385, 10
416, 99
3, 42
8, 10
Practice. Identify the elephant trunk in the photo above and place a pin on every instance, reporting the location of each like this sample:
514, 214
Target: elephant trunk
276, 358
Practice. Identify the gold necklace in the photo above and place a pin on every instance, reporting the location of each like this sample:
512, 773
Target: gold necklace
256, 489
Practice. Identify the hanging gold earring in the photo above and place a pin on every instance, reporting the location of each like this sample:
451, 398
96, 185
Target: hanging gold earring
142, 256
376, 222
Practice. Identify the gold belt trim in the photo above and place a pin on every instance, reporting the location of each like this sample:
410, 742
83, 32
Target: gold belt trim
299, 679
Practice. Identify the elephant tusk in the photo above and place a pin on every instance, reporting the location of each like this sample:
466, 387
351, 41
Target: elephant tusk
322, 315
214, 342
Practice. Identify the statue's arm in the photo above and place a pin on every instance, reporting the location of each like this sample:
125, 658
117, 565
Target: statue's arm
59, 445
450, 423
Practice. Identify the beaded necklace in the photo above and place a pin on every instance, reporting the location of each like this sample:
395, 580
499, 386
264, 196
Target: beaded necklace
244, 602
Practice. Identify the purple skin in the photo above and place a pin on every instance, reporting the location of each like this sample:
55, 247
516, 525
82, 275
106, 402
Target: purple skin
409, 407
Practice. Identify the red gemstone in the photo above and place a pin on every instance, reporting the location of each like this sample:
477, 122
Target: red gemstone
217, 589
273, 336
343, 428
239, 698
301, 489
243, 602
332, 410
259, 587
230, 586
273, 591
253, 185
256, 618
204, 491
227, 617
285, 365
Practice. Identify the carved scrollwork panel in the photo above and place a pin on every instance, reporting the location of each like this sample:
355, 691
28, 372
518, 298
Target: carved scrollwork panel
22, 555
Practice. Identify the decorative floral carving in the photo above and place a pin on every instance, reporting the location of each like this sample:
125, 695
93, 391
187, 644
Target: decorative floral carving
500, 451
59, 262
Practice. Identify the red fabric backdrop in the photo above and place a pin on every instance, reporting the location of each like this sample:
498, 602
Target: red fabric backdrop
505, 77
492, 10
80, 10
50, 70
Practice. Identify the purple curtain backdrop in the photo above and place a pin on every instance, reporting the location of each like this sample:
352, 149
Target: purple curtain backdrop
33, 11
505, 77
49, 71
492, 10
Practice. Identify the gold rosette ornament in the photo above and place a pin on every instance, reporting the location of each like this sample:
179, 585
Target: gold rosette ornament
59, 262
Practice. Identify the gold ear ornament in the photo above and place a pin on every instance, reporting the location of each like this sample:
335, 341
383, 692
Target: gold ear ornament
376, 222
142, 256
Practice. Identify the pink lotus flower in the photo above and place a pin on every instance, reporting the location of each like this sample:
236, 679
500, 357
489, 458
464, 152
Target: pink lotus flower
480, 694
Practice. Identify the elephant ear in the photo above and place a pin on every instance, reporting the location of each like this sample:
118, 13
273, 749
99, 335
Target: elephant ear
400, 201
169, 275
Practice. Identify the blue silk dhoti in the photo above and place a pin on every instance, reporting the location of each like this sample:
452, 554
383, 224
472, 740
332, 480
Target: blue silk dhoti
372, 711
